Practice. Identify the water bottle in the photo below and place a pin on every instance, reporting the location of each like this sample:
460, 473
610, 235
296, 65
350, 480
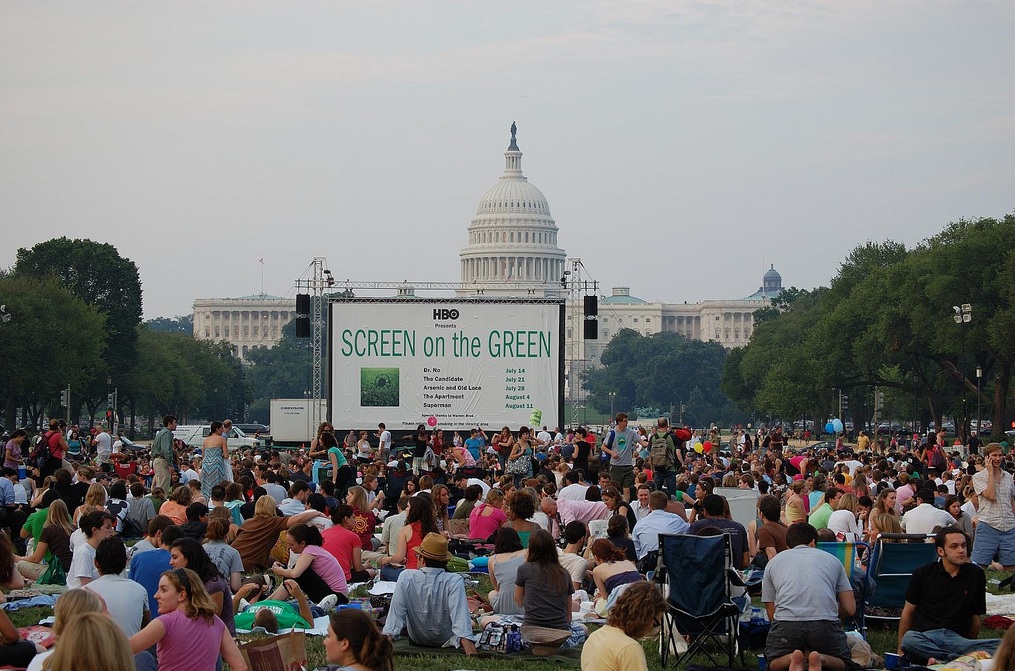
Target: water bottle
514, 640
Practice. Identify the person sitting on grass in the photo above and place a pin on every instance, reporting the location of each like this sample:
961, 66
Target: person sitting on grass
429, 604
944, 604
273, 614
806, 591
616, 647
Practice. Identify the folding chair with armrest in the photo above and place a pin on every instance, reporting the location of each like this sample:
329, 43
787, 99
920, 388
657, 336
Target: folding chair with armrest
698, 582
893, 559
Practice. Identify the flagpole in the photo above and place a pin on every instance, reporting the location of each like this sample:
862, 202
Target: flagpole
262, 275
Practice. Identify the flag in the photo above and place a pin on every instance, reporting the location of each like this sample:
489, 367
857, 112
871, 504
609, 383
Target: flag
261, 260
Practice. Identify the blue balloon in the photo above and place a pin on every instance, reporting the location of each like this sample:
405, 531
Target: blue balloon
837, 425
829, 428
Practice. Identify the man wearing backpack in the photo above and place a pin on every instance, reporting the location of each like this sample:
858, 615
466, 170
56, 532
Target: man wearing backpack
662, 455
619, 444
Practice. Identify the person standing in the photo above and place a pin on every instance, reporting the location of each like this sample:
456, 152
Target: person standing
103, 444
619, 444
213, 455
383, 442
162, 453
663, 457
995, 533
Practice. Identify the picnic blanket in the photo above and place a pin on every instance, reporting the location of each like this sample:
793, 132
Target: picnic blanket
571, 656
1001, 604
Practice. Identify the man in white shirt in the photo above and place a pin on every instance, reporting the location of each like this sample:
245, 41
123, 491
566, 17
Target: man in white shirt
103, 444
97, 526
126, 600
187, 472
544, 436
924, 517
384, 441
658, 521
574, 490
640, 506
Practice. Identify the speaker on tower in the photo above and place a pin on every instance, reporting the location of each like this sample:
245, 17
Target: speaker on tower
303, 327
591, 328
303, 304
591, 306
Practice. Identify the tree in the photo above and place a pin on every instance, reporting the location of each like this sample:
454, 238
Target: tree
54, 339
182, 324
664, 370
97, 274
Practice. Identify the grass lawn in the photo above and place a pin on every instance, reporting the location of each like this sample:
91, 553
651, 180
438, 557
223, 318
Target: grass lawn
882, 638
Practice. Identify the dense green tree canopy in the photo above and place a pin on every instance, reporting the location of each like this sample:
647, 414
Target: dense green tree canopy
887, 321
662, 371
53, 339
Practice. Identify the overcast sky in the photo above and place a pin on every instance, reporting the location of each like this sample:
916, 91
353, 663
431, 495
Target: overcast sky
682, 146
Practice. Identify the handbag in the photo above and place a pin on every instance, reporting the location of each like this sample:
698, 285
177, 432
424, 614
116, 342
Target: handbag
277, 653
519, 466
54, 575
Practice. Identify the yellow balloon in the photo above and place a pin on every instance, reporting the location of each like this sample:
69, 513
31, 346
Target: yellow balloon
698, 448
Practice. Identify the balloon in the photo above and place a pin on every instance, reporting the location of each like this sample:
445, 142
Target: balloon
837, 425
829, 428
707, 446
698, 448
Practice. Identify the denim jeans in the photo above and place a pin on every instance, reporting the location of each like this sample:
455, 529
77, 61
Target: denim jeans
943, 645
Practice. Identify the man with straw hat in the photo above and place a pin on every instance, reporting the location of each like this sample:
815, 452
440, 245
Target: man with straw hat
429, 604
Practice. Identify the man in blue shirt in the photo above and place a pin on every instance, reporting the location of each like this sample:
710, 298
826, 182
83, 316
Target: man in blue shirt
147, 567
658, 521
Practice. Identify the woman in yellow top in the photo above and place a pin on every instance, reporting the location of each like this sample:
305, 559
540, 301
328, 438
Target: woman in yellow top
616, 647
795, 510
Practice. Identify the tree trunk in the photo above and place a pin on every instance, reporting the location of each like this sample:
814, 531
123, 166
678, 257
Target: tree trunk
999, 407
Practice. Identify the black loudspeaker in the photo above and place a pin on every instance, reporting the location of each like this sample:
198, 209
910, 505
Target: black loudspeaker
591, 328
303, 304
303, 327
591, 306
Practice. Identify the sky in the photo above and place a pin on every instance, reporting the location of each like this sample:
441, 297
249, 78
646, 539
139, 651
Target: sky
682, 146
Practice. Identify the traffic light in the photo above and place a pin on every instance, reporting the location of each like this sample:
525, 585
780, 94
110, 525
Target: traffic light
109, 417
65, 398
111, 399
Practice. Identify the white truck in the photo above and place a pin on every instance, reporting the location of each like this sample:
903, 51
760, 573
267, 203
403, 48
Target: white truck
194, 435
292, 422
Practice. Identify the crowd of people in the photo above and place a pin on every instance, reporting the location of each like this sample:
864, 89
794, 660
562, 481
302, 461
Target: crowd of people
570, 522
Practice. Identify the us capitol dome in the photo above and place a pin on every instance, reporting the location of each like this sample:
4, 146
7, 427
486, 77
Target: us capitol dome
513, 238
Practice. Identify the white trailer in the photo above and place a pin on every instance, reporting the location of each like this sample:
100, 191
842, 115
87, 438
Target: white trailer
292, 420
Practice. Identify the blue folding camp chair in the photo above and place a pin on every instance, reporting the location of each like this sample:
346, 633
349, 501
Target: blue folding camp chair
893, 559
698, 582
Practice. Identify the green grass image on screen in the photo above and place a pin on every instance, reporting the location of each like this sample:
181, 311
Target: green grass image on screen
378, 387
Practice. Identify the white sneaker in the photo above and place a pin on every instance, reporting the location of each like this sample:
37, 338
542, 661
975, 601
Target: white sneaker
328, 602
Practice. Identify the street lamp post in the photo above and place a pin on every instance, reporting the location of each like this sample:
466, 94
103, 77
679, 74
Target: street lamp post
613, 395
979, 376
963, 315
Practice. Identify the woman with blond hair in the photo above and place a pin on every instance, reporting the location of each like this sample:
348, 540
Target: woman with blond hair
843, 521
95, 498
487, 517
69, 607
617, 646
55, 541
94, 643
188, 635
796, 509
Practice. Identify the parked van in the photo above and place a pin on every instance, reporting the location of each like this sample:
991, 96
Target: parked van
194, 435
